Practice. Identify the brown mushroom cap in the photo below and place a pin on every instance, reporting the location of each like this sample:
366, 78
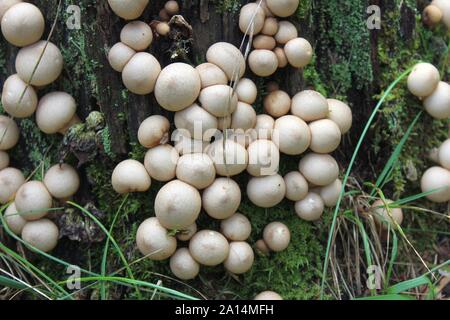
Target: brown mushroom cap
266, 191
299, 52
42, 234
423, 79
50, 65
236, 228
384, 216
163, 15
251, 18
11, 180
341, 114
33, 200
310, 208
119, 55
443, 154
137, 35
62, 181
6, 4
9, 133
228, 58
438, 103
200, 124
161, 162
219, 100
268, 295
436, 179
292, 135
141, 73
319, 169
277, 236
296, 186
128, 9
325, 136
432, 15
55, 110
172, 7
263, 158
286, 32
270, 27
264, 42
177, 205
211, 75
262, 247
281, 56
4, 160
240, 258
263, 62
246, 91
162, 28
222, 199
130, 176
310, 105
444, 6
18, 99
183, 265
154, 241
230, 158
209, 248
23, 24
177, 87
14, 220
282, 8
196, 169
153, 131
277, 103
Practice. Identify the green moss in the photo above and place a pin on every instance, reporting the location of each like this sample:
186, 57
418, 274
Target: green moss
231, 6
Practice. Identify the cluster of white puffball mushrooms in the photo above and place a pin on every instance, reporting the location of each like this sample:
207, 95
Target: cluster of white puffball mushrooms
219, 135
22, 24
438, 11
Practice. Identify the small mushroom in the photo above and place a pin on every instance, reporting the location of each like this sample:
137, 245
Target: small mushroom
137, 35
119, 55
18, 99
62, 181
9, 133
228, 58
286, 32
219, 100
423, 79
236, 228
183, 265
211, 75
319, 169
325, 136
281, 56
277, 103
330, 193
48, 59
444, 6
262, 246
263, 158
11, 180
268, 295
196, 169
436, 180
130, 176
200, 124
162, 28
14, 220
221, 200
298, 52
187, 233
251, 18
177, 205
264, 126
264, 42
341, 114
270, 27
55, 110
33, 200
384, 216
443, 154
262, 62
282, 8
163, 15
141, 73
432, 15
229, 157
266, 191
310, 105
209, 248
128, 9
153, 131
296, 186
184, 144
23, 24
438, 103
172, 8
277, 236
154, 241
4, 160
272, 86
244, 117
246, 91
42, 234
177, 87
310, 208
161, 162
240, 259
292, 135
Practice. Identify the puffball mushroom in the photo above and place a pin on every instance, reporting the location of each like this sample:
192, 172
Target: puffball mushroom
263, 158
42, 234
277, 236
264, 42
436, 179
130, 176
385, 217
161, 162
437, 104
4, 160
443, 154
221, 200
298, 52
219, 100
319, 169
33, 200
141, 73
153, 131
128, 9
119, 55
310, 105
162, 28
49, 68
266, 191
200, 124
62, 181
296, 186
184, 144
18, 99
211, 75
268, 295
9, 133
251, 18
229, 157
209, 248
270, 27
262, 246
432, 15
286, 32
244, 117
281, 56
187, 233
163, 15
14, 220
236, 228
196, 169
277, 103
154, 241
325, 136
177, 205
292, 135
263, 62
228, 58
137, 35
341, 114
310, 208
246, 91
264, 126
423, 79
240, 259
55, 110
177, 87
183, 266
23, 24
6, 4
444, 6
330, 193
172, 8
11, 180
282, 8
